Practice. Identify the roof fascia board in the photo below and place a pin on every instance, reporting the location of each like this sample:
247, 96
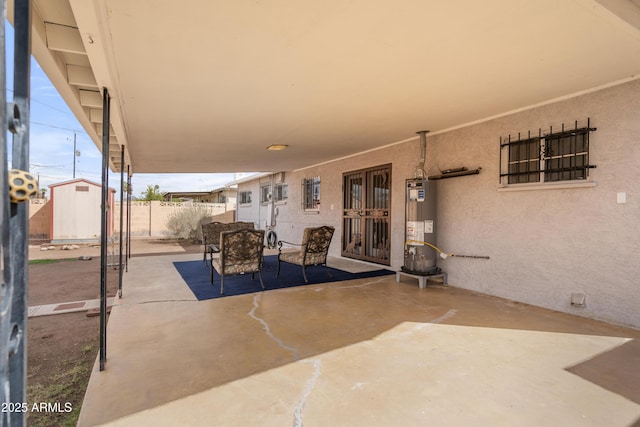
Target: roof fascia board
624, 12
92, 19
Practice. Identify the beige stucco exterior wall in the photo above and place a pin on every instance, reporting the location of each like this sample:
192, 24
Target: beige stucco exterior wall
39, 219
150, 219
543, 245
76, 215
547, 244
258, 212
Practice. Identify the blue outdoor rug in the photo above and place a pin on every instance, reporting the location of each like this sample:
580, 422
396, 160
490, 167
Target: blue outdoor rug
196, 275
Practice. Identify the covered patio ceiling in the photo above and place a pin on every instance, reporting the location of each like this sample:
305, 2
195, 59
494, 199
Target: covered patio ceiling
206, 86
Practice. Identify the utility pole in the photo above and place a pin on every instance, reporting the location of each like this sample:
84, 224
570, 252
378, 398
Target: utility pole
75, 154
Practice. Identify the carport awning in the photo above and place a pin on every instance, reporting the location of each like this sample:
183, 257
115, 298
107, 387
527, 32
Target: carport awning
205, 86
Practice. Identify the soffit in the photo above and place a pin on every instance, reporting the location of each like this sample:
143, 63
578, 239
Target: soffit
205, 86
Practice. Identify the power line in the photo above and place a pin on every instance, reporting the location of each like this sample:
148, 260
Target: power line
55, 127
35, 165
46, 105
53, 108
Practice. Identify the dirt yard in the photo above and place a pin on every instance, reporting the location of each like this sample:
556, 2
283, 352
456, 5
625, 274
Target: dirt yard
62, 348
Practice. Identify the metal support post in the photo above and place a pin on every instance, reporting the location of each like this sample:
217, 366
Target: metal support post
106, 125
128, 217
121, 219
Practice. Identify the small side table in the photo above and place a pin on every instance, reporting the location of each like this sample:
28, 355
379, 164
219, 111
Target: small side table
422, 280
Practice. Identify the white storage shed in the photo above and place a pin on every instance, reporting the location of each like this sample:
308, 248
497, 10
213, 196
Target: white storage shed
75, 211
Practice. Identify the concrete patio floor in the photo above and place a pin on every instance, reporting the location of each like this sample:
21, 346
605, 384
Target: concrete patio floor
368, 352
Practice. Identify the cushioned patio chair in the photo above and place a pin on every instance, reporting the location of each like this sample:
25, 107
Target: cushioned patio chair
210, 236
240, 252
313, 249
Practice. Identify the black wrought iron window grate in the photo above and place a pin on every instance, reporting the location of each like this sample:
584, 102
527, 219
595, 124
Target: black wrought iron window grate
561, 155
311, 194
281, 192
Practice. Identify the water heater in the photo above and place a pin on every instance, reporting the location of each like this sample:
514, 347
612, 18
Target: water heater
420, 228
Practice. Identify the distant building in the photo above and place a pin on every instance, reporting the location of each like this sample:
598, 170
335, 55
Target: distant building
227, 194
188, 196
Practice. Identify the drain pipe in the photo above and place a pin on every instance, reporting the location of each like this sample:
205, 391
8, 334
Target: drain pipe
420, 173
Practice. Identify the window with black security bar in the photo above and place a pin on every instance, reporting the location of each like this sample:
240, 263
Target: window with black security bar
557, 155
524, 161
566, 156
280, 192
265, 193
311, 194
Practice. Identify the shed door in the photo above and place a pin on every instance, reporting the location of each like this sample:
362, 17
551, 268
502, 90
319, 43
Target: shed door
366, 214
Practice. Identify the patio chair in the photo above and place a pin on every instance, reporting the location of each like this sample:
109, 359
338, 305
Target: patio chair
210, 236
240, 252
313, 249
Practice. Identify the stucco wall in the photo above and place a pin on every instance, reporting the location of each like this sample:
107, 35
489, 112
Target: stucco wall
543, 245
76, 214
39, 219
291, 219
150, 218
256, 211
547, 244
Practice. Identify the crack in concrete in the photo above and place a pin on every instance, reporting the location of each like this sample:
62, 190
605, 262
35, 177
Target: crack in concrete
297, 414
267, 329
449, 314
420, 326
362, 285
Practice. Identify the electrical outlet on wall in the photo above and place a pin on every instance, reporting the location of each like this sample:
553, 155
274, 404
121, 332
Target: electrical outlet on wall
621, 197
578, 300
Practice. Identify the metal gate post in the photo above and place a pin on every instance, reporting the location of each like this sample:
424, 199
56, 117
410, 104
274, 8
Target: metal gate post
14, 224
7, 339
6, 287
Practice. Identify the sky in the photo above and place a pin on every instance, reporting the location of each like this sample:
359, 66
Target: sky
53, 128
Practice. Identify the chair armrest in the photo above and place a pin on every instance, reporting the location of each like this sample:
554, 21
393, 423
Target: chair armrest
281, 242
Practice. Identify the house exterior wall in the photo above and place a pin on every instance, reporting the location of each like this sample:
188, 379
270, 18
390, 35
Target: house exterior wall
291, 219
224, 196
544, 245
547, 244
257, 212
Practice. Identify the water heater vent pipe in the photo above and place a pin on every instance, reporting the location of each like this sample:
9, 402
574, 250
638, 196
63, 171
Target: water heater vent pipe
420, 173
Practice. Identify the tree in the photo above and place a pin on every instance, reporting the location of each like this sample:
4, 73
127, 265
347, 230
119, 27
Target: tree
152, 193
